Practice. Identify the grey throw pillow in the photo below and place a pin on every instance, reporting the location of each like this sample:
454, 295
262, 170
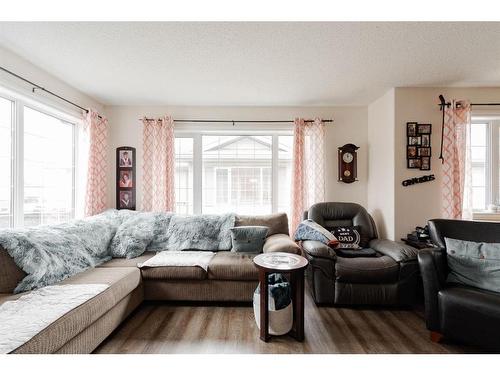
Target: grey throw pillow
248, 239
474, 263
134, 235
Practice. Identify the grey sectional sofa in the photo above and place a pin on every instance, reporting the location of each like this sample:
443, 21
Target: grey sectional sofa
230, 277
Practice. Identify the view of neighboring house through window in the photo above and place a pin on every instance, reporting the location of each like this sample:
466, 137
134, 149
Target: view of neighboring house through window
6, 116
237, 173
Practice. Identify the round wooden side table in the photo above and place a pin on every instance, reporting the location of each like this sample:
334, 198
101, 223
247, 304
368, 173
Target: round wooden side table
294, 266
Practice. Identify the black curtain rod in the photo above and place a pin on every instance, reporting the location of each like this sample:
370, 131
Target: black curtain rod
239, 121
36, 86
443, 103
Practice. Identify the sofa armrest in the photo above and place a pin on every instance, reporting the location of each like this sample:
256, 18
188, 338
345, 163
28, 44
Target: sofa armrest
397, 251
280, 243
432, 282
318, 250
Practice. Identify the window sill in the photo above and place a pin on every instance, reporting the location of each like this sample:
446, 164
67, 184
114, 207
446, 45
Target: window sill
486, 216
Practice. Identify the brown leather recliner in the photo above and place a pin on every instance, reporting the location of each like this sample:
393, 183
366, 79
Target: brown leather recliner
388, 278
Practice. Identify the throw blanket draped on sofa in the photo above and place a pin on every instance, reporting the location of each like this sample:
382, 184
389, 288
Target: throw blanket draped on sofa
22, 319
200, 232
52, 253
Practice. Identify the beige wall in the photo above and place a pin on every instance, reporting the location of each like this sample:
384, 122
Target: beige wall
418, 203
18, 65
381, 163
398, 209
350, 126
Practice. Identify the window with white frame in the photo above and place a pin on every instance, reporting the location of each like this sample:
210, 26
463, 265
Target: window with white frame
6, 119
37, 164
242, 173
485, 158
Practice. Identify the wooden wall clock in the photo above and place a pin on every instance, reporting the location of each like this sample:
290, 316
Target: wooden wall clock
348, 170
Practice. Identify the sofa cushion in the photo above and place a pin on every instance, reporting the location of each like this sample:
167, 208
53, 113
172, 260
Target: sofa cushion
123, 262
173, 273
280, 243
10, 273
367, 270
355, 253
470, 314
233, 266
122, 282
277, 223
398, 251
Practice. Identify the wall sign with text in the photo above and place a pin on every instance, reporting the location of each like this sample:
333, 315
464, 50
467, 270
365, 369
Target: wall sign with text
418, 180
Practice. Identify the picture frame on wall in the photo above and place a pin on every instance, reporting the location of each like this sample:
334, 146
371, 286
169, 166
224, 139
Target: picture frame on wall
414, 141
426, 140
424, 128
418, 146
411, 129
411, 152
414, 163
424, 151
125, 178
425, 164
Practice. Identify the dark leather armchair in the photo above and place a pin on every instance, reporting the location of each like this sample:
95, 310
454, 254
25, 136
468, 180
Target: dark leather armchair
457, 311
389, 278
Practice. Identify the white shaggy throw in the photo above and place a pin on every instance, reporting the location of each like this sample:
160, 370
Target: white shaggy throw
179, 259
22, 319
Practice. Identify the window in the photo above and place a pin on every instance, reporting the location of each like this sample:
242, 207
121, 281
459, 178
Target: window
242, 173
184, 175
48, 169
37, 165
485, 159
6, 117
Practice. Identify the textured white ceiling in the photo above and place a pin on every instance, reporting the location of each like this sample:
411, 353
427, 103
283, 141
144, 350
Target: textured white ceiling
257, 63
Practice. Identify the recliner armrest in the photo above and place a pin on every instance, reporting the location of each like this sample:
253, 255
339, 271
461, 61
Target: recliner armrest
397, 251
280, 242
433, 282
318, 249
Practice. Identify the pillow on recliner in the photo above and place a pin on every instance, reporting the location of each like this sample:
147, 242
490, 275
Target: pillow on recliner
475, 264
350, 242
349, 237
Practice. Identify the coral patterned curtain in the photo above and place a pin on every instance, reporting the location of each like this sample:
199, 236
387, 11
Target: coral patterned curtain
457, 175
158, 186
308, 177
95, 128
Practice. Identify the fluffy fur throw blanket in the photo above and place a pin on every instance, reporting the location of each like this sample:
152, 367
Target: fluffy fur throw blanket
52, 253
200, 232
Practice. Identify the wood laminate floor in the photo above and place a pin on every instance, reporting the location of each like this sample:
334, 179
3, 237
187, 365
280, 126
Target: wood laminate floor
197, 328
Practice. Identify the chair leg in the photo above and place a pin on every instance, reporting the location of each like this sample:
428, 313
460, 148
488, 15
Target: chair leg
436, 336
